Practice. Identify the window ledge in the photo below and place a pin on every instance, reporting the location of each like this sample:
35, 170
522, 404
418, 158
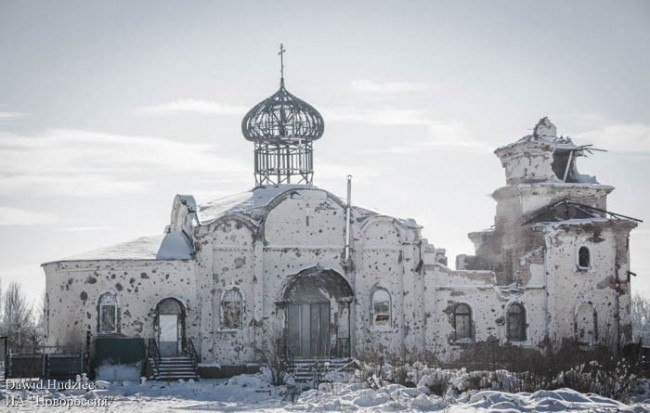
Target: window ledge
229, 330
521, 343
375, 329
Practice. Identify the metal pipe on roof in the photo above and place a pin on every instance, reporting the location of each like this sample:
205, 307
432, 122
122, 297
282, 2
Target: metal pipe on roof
348, 206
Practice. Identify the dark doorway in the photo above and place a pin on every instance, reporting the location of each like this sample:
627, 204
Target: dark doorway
170, 326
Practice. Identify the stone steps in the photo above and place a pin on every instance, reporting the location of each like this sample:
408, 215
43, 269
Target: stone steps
173, 368
310, 372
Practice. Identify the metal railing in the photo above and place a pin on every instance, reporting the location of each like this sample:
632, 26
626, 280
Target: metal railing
154, 353
343, 347
189, 349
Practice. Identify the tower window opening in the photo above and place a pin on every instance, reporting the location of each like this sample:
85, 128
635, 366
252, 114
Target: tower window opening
584, 257
564, 166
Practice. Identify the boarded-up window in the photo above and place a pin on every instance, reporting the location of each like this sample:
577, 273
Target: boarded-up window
381, 308
463, 322
584, 257
108, 313
585, 326
231, 310
516, 322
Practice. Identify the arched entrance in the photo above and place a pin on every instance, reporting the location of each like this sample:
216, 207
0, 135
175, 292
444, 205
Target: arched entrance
170, 326
317, 314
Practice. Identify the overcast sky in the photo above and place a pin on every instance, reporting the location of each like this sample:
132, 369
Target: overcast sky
108, 109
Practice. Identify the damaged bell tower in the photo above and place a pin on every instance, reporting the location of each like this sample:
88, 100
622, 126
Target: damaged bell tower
542, 183
553, 238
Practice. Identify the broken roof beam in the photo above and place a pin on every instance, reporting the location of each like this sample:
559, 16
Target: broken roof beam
614, 214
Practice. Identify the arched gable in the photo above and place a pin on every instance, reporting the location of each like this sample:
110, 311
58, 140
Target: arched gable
231, 230
382, 231
304, 217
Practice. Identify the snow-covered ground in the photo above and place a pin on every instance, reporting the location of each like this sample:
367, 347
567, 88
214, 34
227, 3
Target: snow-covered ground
251, 393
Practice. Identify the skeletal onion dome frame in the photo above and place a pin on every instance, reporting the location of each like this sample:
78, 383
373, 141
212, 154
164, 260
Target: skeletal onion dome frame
282, 117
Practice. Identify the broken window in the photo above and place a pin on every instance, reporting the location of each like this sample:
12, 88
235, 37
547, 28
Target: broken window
463, 322
232, 310
381, 308
584, 259
108, 313
516, 322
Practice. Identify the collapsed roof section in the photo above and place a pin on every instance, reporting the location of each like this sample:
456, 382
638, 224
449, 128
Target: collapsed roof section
544, 157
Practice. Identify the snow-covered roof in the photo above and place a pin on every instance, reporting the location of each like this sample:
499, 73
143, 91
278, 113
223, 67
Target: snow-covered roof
246, 202
172, 246
252, 204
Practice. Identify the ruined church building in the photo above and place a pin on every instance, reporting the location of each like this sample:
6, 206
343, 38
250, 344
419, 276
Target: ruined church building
293, 267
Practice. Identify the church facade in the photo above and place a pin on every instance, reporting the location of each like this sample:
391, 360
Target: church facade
292, 268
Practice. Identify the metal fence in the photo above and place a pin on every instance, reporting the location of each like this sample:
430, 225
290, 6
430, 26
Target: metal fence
48, 362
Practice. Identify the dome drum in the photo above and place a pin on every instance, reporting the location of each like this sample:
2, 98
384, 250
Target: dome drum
283, 163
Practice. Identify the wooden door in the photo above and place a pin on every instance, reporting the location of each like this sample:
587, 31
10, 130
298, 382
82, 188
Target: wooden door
309, 330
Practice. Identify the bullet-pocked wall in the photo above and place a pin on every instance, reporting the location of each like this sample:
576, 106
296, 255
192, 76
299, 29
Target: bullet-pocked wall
74, 289
267, 270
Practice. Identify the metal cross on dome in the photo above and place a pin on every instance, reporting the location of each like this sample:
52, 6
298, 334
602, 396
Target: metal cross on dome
281, 54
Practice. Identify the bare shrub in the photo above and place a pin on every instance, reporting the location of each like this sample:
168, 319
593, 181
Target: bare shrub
438, 385
370, 364
275, 360
588, 370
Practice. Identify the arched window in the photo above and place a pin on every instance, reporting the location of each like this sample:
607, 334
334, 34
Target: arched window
584, 257
232, 306
381, 309
516, 322
463, 322
107, 313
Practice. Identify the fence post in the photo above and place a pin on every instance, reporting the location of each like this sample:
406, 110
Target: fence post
5, 358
